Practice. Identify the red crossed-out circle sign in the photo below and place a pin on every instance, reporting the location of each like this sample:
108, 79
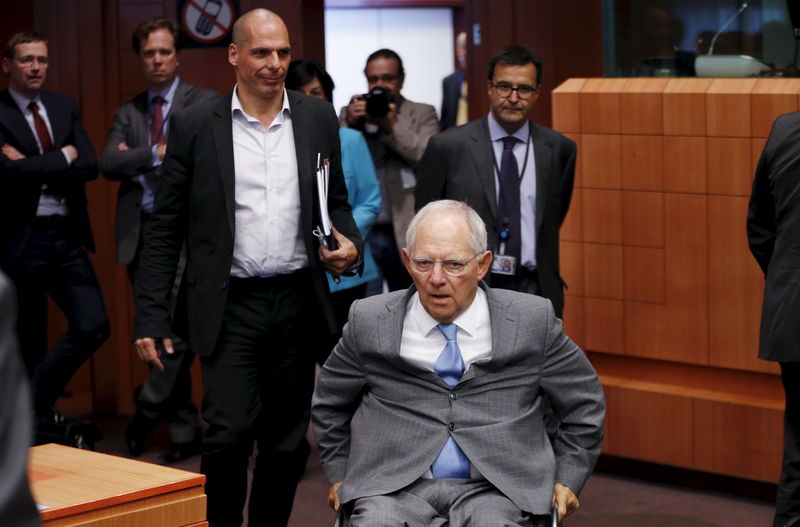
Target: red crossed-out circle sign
207, 21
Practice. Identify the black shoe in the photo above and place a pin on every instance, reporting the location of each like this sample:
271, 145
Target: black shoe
137, 433
179, 452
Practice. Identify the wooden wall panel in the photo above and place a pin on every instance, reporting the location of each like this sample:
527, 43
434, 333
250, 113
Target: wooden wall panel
642, 162
738, 439
572, 228
641, 107
650, 426
670, 300
771, 98
685, 164
566, 114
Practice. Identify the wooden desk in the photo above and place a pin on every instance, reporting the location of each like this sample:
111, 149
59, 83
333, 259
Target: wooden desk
79, 487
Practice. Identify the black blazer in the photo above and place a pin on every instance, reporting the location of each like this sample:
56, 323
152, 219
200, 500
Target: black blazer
131, 125
773, 231
458, 165
451, 92
22, 180
195, 202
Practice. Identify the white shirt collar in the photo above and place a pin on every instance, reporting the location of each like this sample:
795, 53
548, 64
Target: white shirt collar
236, 108
468, 321
167, 94
497, 132
23, 101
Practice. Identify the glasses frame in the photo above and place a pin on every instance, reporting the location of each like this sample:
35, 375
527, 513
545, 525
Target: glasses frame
497, 86
416, 261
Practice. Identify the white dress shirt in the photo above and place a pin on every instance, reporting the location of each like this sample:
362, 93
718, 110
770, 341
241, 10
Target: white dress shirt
49, 205
422, 343
527, 187
268, 240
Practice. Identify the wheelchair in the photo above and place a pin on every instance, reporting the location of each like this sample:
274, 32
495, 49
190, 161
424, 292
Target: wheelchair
341, 518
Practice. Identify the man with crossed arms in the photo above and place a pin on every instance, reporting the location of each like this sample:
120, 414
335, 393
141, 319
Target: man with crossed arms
430, 409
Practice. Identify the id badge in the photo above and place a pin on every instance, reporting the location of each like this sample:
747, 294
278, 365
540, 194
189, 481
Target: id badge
504, 264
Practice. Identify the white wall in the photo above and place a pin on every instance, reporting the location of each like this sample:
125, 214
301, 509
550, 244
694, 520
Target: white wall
423, 37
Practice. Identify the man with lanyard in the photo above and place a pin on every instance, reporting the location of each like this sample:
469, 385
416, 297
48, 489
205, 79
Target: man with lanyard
516, 174
132, 155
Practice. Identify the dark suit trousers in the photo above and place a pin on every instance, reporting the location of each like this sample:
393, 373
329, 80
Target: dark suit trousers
167, 393
788, 502
53, 263
384, 248
258, 383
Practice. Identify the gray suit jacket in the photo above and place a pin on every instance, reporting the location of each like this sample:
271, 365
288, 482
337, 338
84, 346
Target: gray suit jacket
416, 124
773, 230
16, 414
380, 422
131, 125
458, 165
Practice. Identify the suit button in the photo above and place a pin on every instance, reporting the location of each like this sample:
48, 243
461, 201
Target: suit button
223, 285
454, 395
451, 426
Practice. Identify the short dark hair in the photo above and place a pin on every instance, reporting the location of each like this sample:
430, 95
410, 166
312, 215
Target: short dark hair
517, 56
385, 53
301, 72
153, 24
23, 37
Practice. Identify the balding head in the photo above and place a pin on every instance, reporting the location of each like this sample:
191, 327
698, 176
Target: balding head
240, 33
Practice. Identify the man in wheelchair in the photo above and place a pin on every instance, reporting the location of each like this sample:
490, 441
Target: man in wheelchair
431, 409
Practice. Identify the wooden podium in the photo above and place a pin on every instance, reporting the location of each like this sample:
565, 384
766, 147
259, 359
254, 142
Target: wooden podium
79, 487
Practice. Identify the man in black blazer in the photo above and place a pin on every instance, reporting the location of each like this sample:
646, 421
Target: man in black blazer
134, 149
773, 230
454, 89
516, 174
238, 185
45, 159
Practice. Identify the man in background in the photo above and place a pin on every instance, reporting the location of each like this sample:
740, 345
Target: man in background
397, 138
516, 174
773, 231
45, 160
454, 89
133, 153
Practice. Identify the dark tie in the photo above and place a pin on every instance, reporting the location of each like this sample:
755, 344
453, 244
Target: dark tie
508, 199
451, 461
41, 128
157, 123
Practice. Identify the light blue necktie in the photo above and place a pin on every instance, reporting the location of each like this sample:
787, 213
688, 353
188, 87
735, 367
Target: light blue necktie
451, 461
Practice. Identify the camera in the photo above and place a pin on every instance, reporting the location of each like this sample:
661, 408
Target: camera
378, 100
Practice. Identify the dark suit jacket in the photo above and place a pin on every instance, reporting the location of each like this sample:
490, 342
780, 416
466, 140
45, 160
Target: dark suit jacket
22, 179
380, 421
131, 125
195, 202
451, 92
773, 230
458, 165
16, 415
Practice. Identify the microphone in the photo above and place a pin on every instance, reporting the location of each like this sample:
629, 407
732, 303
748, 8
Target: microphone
744, 6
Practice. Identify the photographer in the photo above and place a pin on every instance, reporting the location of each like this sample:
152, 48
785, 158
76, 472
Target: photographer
397, 131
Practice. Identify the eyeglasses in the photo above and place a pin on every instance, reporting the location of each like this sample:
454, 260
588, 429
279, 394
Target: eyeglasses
389, 77
27, 60
504, 90
450, 265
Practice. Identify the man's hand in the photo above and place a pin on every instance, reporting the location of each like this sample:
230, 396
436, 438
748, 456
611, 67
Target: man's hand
388, 121
333, 498
566, 501
161, 150
338, 261
123, 146
149, 350
71, 151
356, 110
11, 153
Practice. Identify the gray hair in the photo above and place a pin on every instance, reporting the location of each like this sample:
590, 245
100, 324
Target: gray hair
477, 230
